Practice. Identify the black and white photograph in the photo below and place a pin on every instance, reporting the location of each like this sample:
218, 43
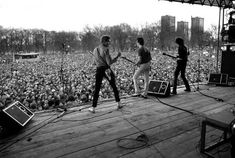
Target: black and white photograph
117, 79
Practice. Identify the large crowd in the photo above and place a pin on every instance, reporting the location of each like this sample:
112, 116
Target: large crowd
69, 79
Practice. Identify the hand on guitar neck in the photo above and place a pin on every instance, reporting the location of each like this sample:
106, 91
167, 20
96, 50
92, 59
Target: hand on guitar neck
118, 55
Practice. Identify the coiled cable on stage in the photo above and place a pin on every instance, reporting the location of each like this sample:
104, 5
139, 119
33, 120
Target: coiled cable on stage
140, 141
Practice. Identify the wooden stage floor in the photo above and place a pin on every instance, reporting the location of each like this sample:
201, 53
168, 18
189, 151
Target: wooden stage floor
172, 126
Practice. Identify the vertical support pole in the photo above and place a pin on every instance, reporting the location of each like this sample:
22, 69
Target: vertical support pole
223, 18
218, 43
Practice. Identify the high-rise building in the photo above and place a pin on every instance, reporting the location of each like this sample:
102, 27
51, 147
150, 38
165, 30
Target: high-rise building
167, 36
197, 29
182, 30
168, 22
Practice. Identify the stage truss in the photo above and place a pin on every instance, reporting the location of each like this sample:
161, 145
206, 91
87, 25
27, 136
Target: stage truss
215, 3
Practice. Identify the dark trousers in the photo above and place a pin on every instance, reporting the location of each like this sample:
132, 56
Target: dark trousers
180, 68
100, 73
233, 145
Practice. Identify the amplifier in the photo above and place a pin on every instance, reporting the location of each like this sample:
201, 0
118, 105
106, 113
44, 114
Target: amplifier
161, 88
231, 34
16, 114
231, 81
218, 79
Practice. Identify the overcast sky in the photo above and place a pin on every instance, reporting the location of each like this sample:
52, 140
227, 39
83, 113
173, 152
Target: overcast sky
74, 15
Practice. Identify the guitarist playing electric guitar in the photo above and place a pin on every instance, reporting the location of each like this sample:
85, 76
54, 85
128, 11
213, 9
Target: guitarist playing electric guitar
103, 61
182, 59
143, 64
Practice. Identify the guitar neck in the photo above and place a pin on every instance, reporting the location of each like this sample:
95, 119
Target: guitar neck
128, 60
170, 55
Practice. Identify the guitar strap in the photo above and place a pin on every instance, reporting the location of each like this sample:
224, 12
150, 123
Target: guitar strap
108, 71
104, 61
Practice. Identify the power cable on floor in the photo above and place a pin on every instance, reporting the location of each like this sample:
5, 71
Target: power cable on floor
197, 89
142, 140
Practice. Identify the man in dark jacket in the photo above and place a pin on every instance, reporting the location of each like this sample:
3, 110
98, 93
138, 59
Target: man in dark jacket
182, 59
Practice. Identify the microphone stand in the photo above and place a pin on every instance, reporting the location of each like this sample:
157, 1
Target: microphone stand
198, 70
62, 72
61, 69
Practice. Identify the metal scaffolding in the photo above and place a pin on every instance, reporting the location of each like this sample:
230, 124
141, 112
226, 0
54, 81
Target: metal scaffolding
215, 3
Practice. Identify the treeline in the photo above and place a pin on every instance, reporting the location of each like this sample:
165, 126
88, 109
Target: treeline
123, 38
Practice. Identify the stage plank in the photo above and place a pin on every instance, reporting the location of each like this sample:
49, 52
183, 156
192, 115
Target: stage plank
172, 125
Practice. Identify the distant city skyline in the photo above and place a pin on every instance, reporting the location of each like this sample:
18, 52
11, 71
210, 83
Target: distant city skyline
75, 15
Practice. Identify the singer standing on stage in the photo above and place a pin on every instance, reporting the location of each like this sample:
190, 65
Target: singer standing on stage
143, 67
103, 61
182, 59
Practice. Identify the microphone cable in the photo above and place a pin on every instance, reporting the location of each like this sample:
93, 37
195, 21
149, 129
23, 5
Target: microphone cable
197, 89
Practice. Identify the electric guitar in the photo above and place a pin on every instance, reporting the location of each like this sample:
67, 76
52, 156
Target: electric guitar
173, 57
128, 60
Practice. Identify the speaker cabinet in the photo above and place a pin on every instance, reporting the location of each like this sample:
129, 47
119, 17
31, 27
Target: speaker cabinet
161, 88
228, 63
218, 79
231, 81
15, 115
231, 34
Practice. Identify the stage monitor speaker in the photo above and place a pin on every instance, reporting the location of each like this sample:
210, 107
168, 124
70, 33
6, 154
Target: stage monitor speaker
16, 115
218, 79
160, 88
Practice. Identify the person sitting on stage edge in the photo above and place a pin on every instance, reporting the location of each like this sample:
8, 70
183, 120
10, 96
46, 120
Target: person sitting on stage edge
143, 67
182, 59
103, 62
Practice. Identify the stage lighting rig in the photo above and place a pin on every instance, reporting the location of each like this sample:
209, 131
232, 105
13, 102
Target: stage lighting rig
231, 17
228, 33
228, 46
